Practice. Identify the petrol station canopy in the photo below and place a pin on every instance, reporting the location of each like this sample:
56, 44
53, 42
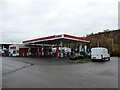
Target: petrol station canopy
55, 39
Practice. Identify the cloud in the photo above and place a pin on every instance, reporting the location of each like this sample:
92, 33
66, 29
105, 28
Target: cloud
28, 19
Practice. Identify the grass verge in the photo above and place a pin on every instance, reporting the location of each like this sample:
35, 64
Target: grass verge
82, 60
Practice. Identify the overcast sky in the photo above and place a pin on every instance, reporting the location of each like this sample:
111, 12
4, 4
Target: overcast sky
28, 19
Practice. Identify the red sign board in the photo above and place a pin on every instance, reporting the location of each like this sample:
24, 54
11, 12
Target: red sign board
12, 47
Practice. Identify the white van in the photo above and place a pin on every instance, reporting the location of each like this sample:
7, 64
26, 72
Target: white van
100, 54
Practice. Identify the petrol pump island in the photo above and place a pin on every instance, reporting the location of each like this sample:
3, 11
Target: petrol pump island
56, 45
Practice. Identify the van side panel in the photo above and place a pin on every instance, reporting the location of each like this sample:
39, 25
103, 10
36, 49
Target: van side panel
99, 53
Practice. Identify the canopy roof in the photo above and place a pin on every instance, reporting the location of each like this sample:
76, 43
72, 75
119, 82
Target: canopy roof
56, 39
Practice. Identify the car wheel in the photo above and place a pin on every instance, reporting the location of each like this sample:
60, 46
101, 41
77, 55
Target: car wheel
109, 59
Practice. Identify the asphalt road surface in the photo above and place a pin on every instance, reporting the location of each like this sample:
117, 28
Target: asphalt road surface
49, 72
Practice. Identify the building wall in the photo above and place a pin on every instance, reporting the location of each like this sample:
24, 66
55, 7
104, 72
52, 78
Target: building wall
19, 49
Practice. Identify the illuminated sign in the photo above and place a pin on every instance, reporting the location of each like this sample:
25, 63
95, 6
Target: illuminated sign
57, 36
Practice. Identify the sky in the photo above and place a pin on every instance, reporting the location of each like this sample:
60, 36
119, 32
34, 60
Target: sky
29, 19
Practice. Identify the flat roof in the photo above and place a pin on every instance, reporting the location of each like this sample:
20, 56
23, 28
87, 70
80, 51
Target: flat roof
55, 39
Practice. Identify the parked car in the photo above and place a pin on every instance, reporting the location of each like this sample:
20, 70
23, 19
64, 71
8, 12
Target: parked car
89, 55
76, 56
100, 54
86, 55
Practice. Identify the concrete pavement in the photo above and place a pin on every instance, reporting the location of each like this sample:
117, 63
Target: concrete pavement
43, 73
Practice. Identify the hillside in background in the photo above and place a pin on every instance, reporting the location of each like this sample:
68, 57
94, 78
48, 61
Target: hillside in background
107, 39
